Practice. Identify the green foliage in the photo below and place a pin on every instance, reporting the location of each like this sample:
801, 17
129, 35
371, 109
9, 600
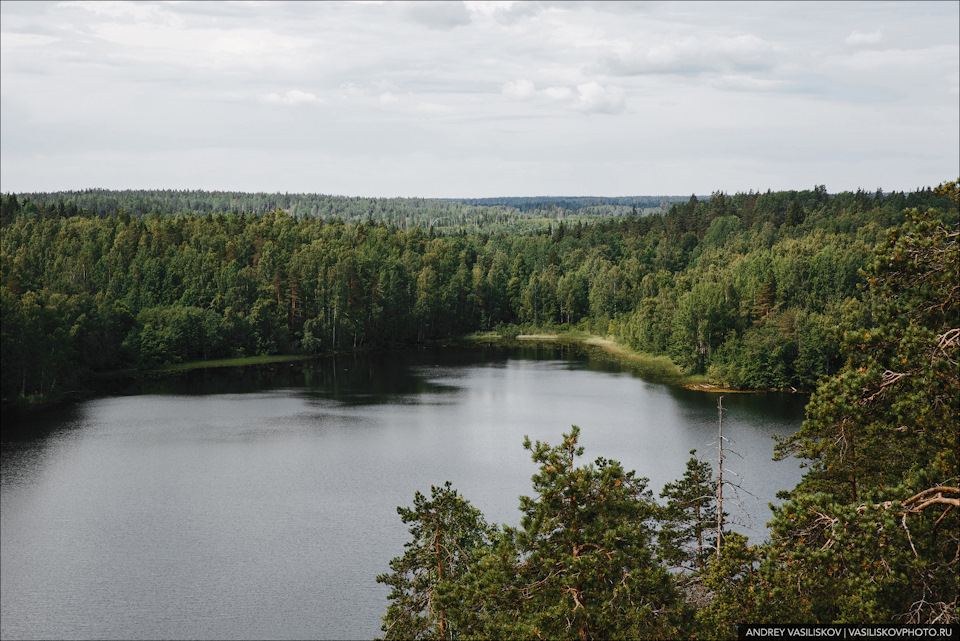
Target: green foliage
880, 561
173, 334
734, 588
896, 398
585, 551
771, 290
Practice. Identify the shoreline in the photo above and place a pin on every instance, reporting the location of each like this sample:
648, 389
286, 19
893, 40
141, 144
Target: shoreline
656, 368
660, 368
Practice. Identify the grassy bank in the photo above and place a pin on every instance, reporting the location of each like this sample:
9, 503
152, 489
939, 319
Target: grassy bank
656, 368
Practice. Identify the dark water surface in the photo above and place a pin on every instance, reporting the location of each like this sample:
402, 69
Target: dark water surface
235, 504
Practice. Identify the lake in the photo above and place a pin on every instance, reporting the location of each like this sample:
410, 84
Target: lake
261, 503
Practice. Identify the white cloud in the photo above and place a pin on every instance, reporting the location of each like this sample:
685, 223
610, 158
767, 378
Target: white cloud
694, 54
594, 98
240, 44
349, 90
293, 97
519, 89
433, 108
588, 97
504, 12
25, 41
858, 38
913, 62
137, 11
747, 82
387, 98
558, 93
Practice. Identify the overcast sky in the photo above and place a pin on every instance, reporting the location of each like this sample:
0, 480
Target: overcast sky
471, 99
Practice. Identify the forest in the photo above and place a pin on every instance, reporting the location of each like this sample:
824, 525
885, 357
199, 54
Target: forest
751, 291
854, 295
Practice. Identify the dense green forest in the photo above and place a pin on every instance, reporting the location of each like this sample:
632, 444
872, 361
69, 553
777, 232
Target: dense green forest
870, 535
751, 290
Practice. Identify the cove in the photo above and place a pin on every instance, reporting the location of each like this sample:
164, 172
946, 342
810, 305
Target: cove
261, 502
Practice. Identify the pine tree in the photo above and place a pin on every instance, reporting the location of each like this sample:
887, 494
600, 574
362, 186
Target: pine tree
687, 537
581, 565
448, 533
872, 533
892, 410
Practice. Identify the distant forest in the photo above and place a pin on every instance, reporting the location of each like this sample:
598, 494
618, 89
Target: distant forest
618, 205
486, 214
751, 290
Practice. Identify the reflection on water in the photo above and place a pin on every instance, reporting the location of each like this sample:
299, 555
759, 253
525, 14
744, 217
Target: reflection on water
371, 377
261, 502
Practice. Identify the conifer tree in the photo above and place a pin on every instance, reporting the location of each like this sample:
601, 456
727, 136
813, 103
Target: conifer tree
872, 533
448, 533
687, 535
581, 565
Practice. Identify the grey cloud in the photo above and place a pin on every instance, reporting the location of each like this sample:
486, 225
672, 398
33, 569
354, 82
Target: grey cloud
438, 15
589, 97
618, 7
509, 14
841, 91
225, 10
240, 85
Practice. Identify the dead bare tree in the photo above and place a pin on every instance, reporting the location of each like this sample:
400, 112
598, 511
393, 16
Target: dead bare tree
737, 486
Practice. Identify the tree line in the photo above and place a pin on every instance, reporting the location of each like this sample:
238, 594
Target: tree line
870, 535
751, 290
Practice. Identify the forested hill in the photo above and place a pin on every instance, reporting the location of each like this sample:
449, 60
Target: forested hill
752, 290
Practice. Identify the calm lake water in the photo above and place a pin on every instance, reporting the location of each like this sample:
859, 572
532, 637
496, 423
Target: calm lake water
234, 504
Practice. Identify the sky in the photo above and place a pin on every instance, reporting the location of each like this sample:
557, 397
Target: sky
479, 99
